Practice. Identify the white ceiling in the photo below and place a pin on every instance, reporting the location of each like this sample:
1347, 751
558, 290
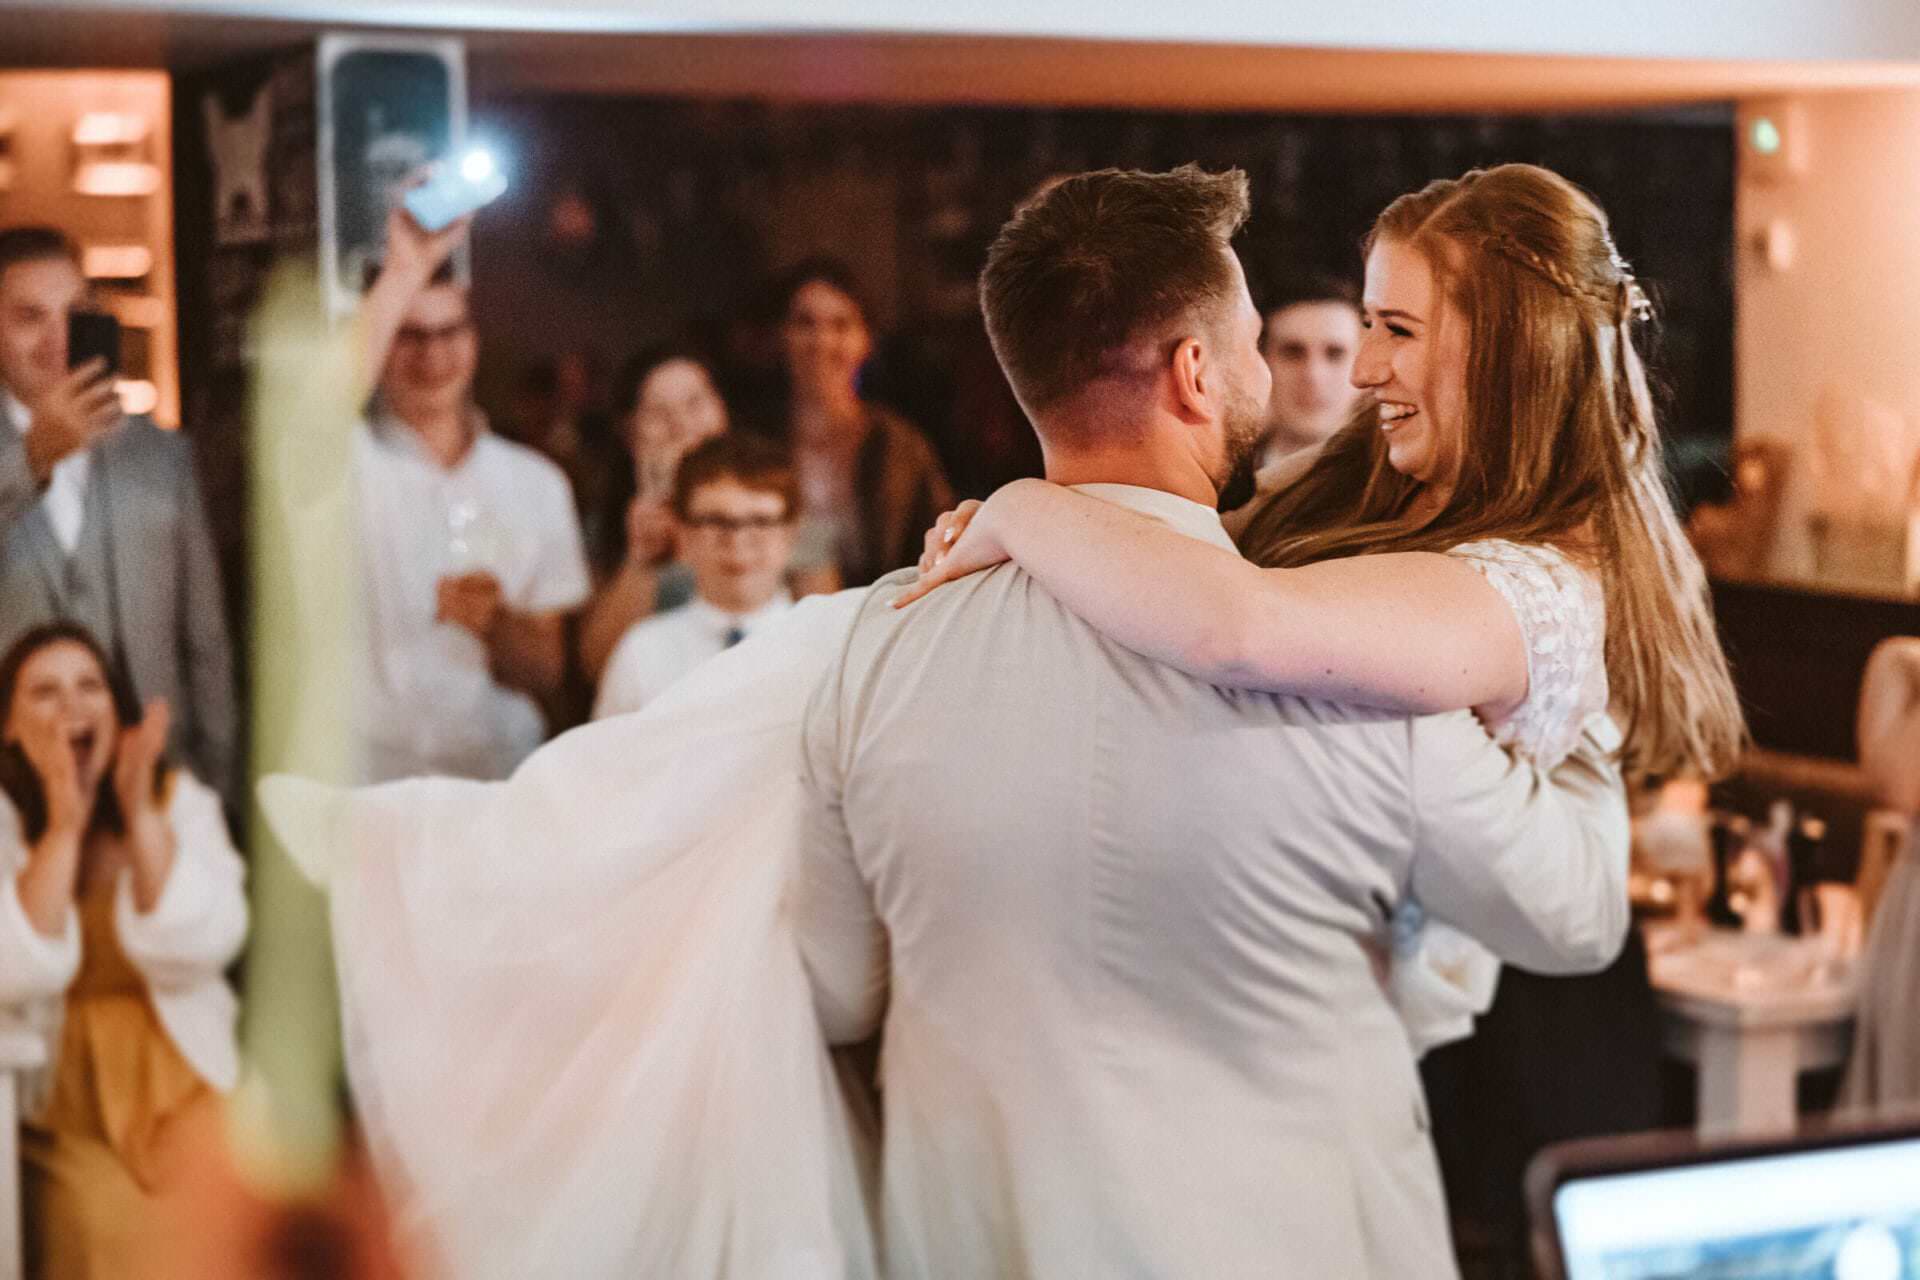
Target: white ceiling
1369, 55
1875, 30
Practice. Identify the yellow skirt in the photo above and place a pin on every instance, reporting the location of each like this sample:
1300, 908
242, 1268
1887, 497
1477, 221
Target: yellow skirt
94, 1159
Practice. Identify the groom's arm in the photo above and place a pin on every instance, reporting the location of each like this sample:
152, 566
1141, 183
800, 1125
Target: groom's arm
1531, 863
842, 941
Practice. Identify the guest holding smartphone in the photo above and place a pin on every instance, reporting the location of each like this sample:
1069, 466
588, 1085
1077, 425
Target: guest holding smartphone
470, 548
101, 520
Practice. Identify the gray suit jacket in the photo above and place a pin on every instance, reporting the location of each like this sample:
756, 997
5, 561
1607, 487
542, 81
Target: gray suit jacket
165, 583
1121, 926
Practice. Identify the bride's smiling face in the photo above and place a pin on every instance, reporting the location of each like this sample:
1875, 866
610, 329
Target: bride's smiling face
1413, 363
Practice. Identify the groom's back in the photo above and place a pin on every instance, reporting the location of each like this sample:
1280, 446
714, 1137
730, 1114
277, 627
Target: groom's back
1133, 1025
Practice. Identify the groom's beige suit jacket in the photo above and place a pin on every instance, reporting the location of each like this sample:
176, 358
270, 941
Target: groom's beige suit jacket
1119, 930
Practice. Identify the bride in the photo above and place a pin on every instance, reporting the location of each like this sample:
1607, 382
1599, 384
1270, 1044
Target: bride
579, 1033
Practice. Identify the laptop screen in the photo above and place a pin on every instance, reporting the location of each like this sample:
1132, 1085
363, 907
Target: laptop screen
1850, 1213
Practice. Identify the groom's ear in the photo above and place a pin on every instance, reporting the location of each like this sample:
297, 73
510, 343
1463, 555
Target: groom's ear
1193, 380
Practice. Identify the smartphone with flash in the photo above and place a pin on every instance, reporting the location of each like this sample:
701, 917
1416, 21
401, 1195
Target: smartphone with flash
455, 189
93, 335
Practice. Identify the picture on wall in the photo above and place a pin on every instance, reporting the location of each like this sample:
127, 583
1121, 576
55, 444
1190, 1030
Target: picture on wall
388, 107
237, 146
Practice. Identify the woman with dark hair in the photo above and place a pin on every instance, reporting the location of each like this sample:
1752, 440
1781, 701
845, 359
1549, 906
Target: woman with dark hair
121, 908
667, 403
869, 481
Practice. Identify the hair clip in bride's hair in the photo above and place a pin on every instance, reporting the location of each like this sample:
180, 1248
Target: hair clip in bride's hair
1638, 302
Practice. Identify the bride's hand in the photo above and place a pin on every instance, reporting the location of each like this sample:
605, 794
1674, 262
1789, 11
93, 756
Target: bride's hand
946, 531
961, 542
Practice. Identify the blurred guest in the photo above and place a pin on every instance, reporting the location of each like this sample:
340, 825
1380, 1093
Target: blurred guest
868, 479
734, 505
101, 520
1885, 1068
471, 551
123, 906
1310, 335
668, 404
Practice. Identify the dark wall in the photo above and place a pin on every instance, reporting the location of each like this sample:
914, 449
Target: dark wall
633, 218
220, 276
1798, 657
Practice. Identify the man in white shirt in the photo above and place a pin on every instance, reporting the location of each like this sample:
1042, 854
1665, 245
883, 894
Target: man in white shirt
470, 547
734, 502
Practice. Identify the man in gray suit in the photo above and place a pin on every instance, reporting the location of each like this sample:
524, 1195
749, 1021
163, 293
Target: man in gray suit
1120, 930
100, 514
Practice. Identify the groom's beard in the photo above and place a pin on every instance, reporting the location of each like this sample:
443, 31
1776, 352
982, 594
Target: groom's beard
1243, 430
1239, 488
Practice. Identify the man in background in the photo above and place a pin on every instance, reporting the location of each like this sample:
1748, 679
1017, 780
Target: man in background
1311, 331
101, 520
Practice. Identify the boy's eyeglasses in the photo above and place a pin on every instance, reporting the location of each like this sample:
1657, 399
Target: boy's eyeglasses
416, 336
729, 524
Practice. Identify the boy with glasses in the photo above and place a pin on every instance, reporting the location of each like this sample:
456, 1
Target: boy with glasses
735, 504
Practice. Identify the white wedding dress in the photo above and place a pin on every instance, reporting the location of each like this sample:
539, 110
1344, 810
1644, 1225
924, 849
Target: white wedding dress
1441, 979
578, 1032
578, 1035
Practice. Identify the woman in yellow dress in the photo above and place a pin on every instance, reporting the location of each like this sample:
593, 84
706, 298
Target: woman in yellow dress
121, 905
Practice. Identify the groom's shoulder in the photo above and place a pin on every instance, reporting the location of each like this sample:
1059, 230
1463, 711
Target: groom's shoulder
880, 632
894, 583
875, 615
876, 608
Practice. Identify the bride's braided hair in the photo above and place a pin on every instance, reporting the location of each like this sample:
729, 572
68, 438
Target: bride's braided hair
1622, 294
1560, 447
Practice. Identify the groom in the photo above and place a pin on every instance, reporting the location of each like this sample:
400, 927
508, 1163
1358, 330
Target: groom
1116, 926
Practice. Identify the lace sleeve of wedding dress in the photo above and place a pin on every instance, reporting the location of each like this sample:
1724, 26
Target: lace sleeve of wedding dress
1441, 979
578, 1032
1562, 617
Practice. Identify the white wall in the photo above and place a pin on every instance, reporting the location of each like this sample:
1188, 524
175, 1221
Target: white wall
1846, 313
1880, 30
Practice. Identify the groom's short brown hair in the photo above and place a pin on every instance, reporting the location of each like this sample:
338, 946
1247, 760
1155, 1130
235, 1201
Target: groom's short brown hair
1092, 262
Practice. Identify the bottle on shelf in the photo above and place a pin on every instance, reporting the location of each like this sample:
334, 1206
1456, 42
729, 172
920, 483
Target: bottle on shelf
1730, 833
1799, 906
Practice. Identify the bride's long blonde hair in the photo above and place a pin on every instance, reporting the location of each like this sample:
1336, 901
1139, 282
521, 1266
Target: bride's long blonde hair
1562, 449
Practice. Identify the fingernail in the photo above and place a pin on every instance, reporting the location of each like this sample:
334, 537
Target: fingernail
937, 559
948, 535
